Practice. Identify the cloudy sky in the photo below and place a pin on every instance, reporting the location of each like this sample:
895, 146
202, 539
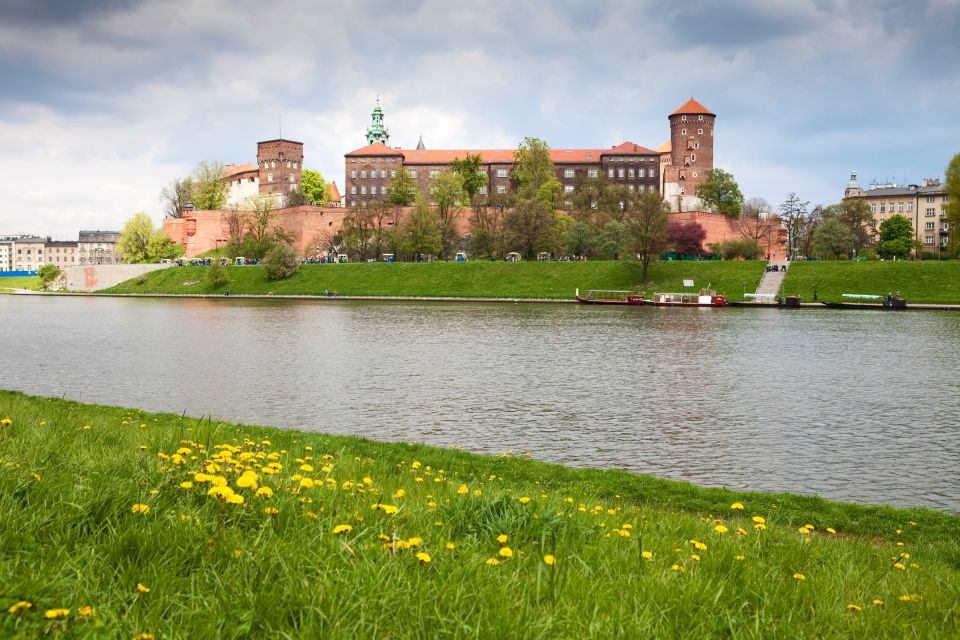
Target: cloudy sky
103, 102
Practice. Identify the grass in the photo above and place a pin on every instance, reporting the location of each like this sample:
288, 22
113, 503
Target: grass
480, 279
72, 535
20, 282
918, 281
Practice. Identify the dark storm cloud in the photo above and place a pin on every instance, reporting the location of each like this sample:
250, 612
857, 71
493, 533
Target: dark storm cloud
61, 12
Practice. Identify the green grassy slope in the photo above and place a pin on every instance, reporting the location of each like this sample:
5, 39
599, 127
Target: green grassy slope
924, 281
364, 539
471, 279
20, 282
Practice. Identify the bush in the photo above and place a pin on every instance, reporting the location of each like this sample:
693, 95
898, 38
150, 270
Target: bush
216, 276
48, 273
280, 262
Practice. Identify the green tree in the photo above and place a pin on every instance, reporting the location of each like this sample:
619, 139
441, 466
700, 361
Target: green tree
315, 189
530, 227
721, 194
794, 213
215, 276
470, 169
134, 241
161, 247
48, 273
579, 239
534, 173
280, 262
209, 188
854, 214
613, 239
647, 219
951, 190
175, 197
358, 231
447, 192
896, 238
421, 233
403, 190
833, 238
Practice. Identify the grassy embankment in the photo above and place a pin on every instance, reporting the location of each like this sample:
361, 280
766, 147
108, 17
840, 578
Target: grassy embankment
111, 522
476, 278
925, 281
20, 282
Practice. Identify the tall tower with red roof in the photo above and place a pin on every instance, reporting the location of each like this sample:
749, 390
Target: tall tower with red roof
691, 155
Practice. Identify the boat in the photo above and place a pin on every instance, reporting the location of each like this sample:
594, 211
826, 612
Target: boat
609, 296
858, 301
704, 298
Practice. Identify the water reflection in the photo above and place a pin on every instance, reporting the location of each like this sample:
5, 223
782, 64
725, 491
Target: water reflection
853, 406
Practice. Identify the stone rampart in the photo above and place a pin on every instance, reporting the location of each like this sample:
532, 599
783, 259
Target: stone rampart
88, 278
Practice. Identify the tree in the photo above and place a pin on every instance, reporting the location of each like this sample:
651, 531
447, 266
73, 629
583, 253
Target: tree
721, 194
209, 188
579, 239
795, 215
687, 237
896, 238
280, 262
161, 247
358, 231
530, 227
446, 191
133, 243
175, 197
613, 239
473, 176
534, 173
403, 190
48, 273
487, 226
757, 221
233, 225
833, 238
421, 234
315, 189
951, 189
647, 220
854, 214
215, 276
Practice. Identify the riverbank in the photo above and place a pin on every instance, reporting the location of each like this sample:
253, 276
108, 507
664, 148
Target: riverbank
927, 281
117, 522
13, 283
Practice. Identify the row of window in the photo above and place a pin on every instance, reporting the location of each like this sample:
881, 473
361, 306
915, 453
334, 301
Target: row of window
291, 177
684, 118
883, 207
930, 240
504, 173
683, 132
272, 164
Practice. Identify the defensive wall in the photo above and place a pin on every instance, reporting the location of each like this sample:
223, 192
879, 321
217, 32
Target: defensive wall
102, 276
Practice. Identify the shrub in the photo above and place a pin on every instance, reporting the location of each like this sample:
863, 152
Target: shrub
216, 276
280, 262
48, 273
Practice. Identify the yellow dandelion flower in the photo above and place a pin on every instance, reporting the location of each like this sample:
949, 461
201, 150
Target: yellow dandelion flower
416, 464
737, 506
549, 560
415, 541
236, 498
831, 530
18, 606
450, 545
367, 481
399, 493
760, 526
342, 528
477, 492
264, 492
906, 598
741, 531
86, 612
87, 427
502, 538
804, 530
271, 511
854, 607
623, 533
720, 528
646, 555
799, 576
676, 567
740, 558
306, 483
759, 519
6, 422
306, 468
569, 499
695, 556
877, 602
247, 481
222, 493
145, 636
492, 561
462, 489
900, 565
142, 588
524, 500
140, 508
186, 484
53, 614
423, 557
505, 552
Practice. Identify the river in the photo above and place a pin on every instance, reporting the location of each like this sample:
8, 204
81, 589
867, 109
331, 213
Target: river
855, 406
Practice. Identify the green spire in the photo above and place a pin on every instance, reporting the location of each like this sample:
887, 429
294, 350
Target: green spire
377, 132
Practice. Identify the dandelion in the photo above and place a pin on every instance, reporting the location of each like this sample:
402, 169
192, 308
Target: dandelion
900, 565
799, 576
695, 556
759, 519
145, 636
477, 492
53, 614
399, 493
524, 500
854, 607
248, 480
264, 492
877, 602
646, 555
222, 493
831, 530
492, 561
623, 533
741, 531
676, 567
87, 427
740, 558
6, 422
140, 508
415, 541
186, 484
306, 483
721, 529
271, 511
760, 526
423, 557
142, 588
906, 598
450, 545
236, 498
306, 468
342, 528
804, 530
19, 606
502, 538
737, 506
462, 489
506, 552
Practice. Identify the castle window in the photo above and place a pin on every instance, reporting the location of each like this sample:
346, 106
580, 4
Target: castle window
653, 172
273, 164
928, 239
568, 188
591, 173
700, 131
501, 188
353, 190
910, 206
353, 173
642, 173
873, 207
609, 173
683, 132
291, 177
900, 206
630, 172
385, 190
483, 190
363, 189
373, 190
931, 213
683, 118
929, 226
569, 173
269, 177
363, 174
501, 173
620, 172
883, 207
631, 188
413, 173
693, 157
393, 173
383, 173
700, 118
288, 164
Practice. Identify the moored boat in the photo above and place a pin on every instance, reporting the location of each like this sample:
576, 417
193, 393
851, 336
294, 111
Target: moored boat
609, 296
859, 301
705, 298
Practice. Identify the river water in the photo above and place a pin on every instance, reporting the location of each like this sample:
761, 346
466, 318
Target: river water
856, 406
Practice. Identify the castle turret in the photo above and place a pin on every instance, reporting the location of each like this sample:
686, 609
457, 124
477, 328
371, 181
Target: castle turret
853, 189
280, 164
377, 131
691, 154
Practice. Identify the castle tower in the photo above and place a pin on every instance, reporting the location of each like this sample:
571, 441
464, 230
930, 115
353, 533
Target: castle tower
377, 132
853, 189
280, 164
691, 155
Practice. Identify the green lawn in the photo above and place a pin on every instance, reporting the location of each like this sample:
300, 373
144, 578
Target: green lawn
115, 522
477, 278
918, 281
20, 282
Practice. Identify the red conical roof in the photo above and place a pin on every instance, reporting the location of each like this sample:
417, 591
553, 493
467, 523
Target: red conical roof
692, 106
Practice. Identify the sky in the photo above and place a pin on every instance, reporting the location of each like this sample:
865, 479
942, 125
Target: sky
104, 102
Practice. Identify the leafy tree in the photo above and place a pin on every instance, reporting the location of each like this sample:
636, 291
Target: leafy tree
647, 220
896, 238
421, 234
175, 197
233, 225
48, 273
854, 214
534, 173
473, 175
833, 238
687, 237
403, 190
951, 189
447, 191
280, 262
133, 243
215, 276
161, 247
315, 189
746, 248
209, 188
530, 227
297, 198
579, 239
758, 221
721, 194
486, 232
613, 240
797, 218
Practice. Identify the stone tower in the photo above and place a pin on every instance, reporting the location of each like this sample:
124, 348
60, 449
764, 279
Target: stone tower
377, 131
853, 189
280, 165
691, 155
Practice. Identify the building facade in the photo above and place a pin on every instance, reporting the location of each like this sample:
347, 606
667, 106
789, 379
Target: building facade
62, 253
278, 171
924, 204
97, 247
27, 253
675, 169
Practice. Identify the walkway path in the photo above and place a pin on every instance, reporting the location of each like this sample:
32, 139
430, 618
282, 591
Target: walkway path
772, 280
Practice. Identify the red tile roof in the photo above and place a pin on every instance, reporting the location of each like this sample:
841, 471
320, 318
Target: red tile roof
234, 169
627, 148
497, 156
334, 192
375, 149
692, 106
